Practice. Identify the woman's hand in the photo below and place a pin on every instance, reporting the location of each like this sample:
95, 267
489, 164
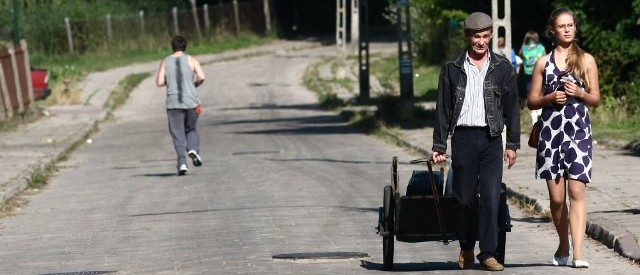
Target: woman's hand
571, 89
557, 97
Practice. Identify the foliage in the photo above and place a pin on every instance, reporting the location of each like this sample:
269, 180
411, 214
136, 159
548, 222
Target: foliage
436, 29
615, 43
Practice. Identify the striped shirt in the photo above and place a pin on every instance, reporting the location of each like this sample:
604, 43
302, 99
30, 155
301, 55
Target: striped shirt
473, 112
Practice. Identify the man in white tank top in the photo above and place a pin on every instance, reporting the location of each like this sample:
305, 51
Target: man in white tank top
181, 74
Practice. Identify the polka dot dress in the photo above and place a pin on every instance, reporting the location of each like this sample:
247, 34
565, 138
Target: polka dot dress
565, 146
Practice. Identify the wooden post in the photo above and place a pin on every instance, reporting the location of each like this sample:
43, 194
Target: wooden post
27, 69
7, 112
207, 21
109, 32
221, 27
142, 31
69, 34
267, 16
196, 22
174, 11
16, 77
236, 17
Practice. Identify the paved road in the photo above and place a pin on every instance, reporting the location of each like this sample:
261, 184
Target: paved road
280, 176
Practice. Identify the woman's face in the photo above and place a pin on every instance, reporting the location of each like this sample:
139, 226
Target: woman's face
565, 28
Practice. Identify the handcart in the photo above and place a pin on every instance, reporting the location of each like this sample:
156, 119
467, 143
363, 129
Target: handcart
426, 212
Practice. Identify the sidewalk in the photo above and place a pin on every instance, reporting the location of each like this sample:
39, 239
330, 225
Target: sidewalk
613, 198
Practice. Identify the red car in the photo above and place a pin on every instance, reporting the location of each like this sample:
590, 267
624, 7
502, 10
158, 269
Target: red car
40, 82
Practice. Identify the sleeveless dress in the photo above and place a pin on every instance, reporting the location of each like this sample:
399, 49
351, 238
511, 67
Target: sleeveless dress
565, 146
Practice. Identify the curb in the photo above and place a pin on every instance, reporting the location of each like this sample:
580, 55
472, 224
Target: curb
21, 182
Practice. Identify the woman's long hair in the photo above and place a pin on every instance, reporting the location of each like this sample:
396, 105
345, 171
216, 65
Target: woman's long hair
575, 58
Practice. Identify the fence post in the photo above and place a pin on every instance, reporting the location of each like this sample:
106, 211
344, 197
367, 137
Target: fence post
196, 22
141, 14
267, 15
27, 69
207, 22
236, 16
69, 34
174, 11
222, 26
16, 77
109, 32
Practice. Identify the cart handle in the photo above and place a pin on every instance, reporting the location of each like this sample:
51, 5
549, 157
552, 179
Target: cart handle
436, 196
424, 160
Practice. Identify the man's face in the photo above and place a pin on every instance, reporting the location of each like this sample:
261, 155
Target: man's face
479, 40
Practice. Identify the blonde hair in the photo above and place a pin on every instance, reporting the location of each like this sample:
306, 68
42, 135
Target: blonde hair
575, 58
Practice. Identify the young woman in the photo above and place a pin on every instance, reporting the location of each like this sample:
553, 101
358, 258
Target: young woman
564, 84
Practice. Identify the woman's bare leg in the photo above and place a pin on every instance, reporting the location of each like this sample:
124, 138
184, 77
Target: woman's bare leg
577, 215
559, 214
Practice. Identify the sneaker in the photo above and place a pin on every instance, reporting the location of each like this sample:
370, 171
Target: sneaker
466, 259
491, 264
580, 264
182, 170
560, 261
197, 161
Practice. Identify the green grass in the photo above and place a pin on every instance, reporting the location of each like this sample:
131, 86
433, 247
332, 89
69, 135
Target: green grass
425, 80
78, 66
120, 95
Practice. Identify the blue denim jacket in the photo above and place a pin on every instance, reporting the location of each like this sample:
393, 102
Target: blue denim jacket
500, 99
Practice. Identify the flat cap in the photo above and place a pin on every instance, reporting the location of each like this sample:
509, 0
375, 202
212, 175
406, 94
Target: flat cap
478, 21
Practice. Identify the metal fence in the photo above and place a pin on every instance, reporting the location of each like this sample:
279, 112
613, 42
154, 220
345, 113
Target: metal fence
138, 29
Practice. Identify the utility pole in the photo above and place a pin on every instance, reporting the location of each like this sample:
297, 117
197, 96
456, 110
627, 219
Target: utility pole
405, 56
363, 49
341, 18
355, 21
504, 22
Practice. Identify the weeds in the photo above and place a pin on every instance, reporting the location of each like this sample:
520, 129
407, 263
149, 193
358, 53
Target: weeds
120, 95
40, 176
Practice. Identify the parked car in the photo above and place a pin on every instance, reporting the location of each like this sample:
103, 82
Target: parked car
40, 82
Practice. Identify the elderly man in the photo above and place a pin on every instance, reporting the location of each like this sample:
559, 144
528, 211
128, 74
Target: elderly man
477, 98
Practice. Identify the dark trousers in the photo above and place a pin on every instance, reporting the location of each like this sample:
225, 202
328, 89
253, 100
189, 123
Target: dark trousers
184, 133
476, 160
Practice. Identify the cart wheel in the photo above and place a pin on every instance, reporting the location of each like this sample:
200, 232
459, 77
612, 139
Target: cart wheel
395, 178
387, 241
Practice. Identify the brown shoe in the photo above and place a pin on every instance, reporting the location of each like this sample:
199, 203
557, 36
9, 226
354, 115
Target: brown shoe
466, 259
491, 264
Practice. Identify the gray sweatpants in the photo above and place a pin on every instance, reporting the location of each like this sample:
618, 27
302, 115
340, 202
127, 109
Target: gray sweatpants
182, 126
